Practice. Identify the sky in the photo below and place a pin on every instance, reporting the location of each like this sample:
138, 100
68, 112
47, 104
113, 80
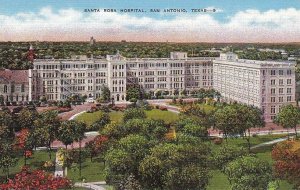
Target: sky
233, 20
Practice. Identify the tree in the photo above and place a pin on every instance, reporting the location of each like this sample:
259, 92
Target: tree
171, 166
26, 118
286, 156
133, 113
133, 92
248, 173
36, 179
250, 117
227, 153
46, 128
96, 146
105, 94
225, 120
103, 119
123, 160
25, 143
288, 117
7, 157
79, 129
66, 133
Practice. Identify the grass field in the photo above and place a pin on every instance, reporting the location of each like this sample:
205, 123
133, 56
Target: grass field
35, 162
117, 116
91, 171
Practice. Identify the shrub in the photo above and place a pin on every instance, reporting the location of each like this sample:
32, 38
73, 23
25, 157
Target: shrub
162, 108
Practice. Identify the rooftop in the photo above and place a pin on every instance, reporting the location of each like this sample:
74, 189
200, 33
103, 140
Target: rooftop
16, 76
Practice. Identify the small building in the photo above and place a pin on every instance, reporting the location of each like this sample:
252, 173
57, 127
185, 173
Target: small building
16, 85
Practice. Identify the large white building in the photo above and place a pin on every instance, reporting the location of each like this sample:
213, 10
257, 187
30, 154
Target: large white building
265, 84
58, 79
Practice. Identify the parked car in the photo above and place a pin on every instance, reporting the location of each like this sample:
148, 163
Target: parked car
90, 100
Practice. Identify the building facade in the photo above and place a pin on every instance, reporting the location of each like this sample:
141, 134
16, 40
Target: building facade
17, 85
265, 84
58, 79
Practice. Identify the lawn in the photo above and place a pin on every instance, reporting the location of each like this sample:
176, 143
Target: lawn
91, 171
35, 162
90, 118
219, 180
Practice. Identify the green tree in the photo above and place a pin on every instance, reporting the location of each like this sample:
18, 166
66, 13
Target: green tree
225, 119
26, 118
133, 92
103, 119
227, 153
105, 94
248, 173
288, 117
166, 162
7, 157
79, 129
46, 128
133, 113
250, 117
123, 160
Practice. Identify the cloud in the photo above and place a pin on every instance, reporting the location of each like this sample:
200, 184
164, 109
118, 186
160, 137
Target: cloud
70, 24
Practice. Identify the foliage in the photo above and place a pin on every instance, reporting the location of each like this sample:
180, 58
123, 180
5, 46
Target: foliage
26, 118
133, 92
226, 154
133, 113
288, 117
105, 95
70, 131
170, 166
36, 179
96, 146
248, 173
103, 119
286, 156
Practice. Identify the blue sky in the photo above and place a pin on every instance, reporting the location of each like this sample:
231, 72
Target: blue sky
224, 20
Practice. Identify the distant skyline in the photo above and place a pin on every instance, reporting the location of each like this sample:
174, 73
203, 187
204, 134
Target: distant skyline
250, 21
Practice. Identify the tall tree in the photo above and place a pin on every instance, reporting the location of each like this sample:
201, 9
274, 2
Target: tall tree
248, 173
46, 128
250, 117
26, 118
288, 117
79, 129
286, 156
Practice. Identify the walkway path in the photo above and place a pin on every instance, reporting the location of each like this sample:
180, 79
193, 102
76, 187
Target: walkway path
92, 185
58, 166
270, 142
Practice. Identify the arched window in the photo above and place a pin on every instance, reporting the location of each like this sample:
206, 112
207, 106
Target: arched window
5, 88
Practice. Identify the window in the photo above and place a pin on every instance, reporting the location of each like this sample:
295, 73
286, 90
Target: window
272, 99
289, 98
289, 90
280, 81
273, 82
289, 72
12, 88
280, 72
5, 89
272, 109
289, 81
280, 90
273, 72
281, 99
272, 90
